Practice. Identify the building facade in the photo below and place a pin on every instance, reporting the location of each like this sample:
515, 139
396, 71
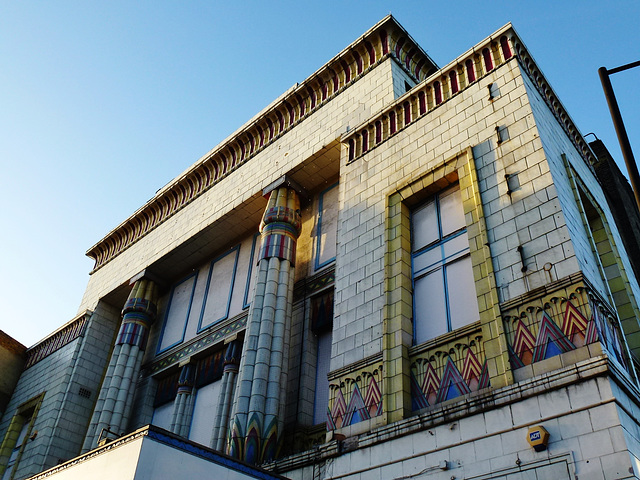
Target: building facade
394, 271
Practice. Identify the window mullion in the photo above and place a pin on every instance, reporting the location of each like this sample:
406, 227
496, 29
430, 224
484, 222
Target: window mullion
439, 217
446, 297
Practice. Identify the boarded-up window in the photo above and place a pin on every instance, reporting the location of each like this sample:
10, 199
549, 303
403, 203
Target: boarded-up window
327, 226
321, 325
217, 297
177, 316
204, 413
162, 416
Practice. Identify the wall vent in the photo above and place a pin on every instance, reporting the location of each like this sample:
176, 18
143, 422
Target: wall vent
84, 392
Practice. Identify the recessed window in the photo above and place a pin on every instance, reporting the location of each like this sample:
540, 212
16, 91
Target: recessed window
471, 74
407, 112
504, 44
422, 102
222, 274
438, 92
22, 438
488, 62
18, 435
321, 325
453, 80
326, 243
177, 316
205, 408
444, 295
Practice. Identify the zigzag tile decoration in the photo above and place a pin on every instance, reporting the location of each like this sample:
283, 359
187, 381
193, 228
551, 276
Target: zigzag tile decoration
355, 397
448, 371
563, 320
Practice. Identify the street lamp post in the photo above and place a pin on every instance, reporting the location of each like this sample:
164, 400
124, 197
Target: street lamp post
623, 138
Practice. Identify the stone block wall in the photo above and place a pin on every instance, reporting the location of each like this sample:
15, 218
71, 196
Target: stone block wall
570, 174
529, 216
83, 385
68, 379
50, 377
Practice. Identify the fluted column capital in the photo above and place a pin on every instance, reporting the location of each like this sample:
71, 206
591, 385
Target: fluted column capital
187, 379
232, 356
138, 313
281, 225
143, 298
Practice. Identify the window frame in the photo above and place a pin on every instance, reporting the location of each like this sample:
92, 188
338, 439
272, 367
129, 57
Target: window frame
28, 412
321, 333
441, 264
160, 349
201, 328
317, 263
255, 246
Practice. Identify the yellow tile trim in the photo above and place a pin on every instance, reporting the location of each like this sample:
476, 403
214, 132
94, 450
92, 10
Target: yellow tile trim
398, 315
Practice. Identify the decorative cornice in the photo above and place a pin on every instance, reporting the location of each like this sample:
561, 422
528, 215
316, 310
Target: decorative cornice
58, 339
385, 39
442, 341
552, 101
503, 45
544, 290
216, 333
315, 283
434, 91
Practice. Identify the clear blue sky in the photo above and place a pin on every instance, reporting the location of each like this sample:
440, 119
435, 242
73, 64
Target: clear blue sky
103, 103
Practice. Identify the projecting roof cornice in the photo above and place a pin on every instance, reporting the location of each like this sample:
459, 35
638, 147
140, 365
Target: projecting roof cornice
504, 45
387, 38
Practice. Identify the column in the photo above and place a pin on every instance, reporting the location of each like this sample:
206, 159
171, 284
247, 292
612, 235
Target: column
184, 402
257, 422
116, 395
229, 374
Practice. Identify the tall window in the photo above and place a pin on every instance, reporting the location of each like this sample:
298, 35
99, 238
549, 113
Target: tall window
163, 401
326, 243
444, 296
208, 385
18, 435
321, 325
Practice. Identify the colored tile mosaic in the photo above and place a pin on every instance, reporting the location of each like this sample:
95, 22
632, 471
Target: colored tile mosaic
309, 286
448, 371
355, 397
559, 322
321, 282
